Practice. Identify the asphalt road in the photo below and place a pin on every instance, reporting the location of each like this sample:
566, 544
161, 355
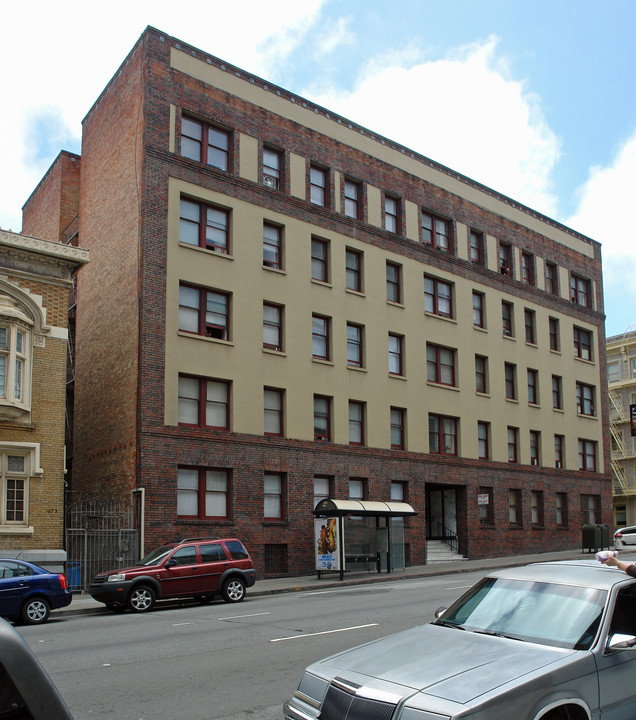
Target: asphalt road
229, 662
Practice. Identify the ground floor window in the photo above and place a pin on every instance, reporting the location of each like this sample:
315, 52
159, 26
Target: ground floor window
203, 493
275, 559
17, 464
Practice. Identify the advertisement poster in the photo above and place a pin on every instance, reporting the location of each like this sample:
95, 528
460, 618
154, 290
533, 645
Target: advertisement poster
327, 543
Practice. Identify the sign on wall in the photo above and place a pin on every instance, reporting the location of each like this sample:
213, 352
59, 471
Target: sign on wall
327, 540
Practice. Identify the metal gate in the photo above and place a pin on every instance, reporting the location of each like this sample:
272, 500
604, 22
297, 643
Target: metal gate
100, 535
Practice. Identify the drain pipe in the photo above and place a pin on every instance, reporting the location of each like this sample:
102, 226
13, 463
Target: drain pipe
142, 518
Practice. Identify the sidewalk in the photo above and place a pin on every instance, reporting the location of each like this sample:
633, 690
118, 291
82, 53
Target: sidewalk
83, 604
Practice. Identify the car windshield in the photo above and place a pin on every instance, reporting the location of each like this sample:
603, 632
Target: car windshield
564, 616
156, 556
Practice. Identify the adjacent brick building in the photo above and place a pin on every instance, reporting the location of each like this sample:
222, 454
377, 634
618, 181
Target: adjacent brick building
35, 283
282, 305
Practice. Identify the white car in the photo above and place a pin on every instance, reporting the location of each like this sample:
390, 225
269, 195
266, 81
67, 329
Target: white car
548, 641
625, 536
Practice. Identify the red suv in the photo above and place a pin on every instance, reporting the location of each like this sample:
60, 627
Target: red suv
195, 567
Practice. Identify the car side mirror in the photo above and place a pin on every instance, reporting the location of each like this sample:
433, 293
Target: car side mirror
439, 612
27, 691
619, 641
171, 563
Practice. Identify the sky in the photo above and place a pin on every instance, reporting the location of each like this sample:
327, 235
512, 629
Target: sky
533, 98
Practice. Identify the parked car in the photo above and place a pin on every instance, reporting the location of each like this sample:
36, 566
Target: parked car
192, 568
625, 536
549, 641
28, 592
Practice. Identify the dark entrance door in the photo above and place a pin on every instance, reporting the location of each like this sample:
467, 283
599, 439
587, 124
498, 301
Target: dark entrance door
441, 512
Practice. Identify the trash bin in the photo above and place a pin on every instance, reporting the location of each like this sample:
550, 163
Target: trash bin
605, 537
74, 576
592, 537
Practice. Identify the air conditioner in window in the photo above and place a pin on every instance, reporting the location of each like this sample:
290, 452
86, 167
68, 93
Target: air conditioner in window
507, 332
270, 182
534, 461
558, 464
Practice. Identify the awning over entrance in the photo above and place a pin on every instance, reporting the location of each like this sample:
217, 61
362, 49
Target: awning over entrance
341, 508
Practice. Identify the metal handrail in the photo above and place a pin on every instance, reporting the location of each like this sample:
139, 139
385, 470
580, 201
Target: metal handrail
450, 537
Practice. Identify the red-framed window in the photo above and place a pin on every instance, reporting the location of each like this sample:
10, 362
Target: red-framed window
479, 300
205, 143
356, 422
507, 318
537, 508
558, 451
515, 516
273, 406
533, 386
203, 493
398, 428
274, 496
321, 337
391, 214
580, 290
435, 232
535, 447
530, 322
582, 343
590, 509
510, 376
323, 488
481, 374
393, 282
486, 509
272, 168
483, 440
527, 268
322, 417
442, 434
440, 364
204, 312
438, 297
320, 260
272, 246
353, 262
555, 335
561, 507
352, 198
358, 489
585, 399
557, 392
204, 226
513, 443
505, 258
551, 278
272, 327
587, 455
396, 354
318, 185
355, 345
477, 247
204, 402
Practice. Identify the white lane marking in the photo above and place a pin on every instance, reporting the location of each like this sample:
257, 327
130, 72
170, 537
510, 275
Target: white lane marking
325, 632
459, 587
180, 624
238, 617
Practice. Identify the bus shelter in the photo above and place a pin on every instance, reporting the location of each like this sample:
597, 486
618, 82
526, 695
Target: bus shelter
355, 534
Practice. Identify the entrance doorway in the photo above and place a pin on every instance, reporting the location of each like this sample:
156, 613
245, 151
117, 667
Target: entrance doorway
441, 513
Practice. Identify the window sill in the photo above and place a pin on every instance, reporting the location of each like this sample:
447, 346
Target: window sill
271, 522
324, 283
271, 351
392, 303
395, 376
514, 401
435, 316
532, 345
583, 360
534, 405
205, 338
355, 368
586, 417
430, 383
479, 328
206, 251
359, 293
509, 337
16, 530
10, 412
482, 394
321, 361
276, 271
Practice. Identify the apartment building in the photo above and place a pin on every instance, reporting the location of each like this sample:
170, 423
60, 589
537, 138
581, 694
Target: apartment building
282, 306
621, 375
35, 283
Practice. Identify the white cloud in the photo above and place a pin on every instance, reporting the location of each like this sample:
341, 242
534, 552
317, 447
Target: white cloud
463, 111
334, 35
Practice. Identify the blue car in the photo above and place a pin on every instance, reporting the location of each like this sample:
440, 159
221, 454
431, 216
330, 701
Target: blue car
29, 592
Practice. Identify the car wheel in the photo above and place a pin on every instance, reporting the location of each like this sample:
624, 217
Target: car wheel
141, 599
233, 590
35, 611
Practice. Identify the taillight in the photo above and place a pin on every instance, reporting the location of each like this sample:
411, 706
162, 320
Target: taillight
62, 579
618, 535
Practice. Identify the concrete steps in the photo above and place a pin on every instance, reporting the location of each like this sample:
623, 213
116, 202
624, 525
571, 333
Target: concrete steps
437, 551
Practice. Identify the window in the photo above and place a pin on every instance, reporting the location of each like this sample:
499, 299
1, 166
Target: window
527, 268
481, 374
486, 508
203, 493
204, 402
551, 278
355, 355
478, 309
580, 290
533, 387
483, 440
536, 505
204, 226
535, 447
510, 374
15, 467
585, 395
273, 411
356, 423
272, 246
15, 369
505, 259
513, 444
275, 559
393, 282
205, 143
272, 327
272, 168
613, 371
440, 364
557, 392
204, 312
398, 429
391, 214
320, 345
352, 197
561, 507
442, 434
476, 248
507, 318
396, 358
358, 489
435, 232
319, 260
318, 185
438, 297
587, 455
582, 343
514, 507
273, 505
353, 261
590, 509
555, 335
530, 322
322, 417
323, 488
399, 491
559, 441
